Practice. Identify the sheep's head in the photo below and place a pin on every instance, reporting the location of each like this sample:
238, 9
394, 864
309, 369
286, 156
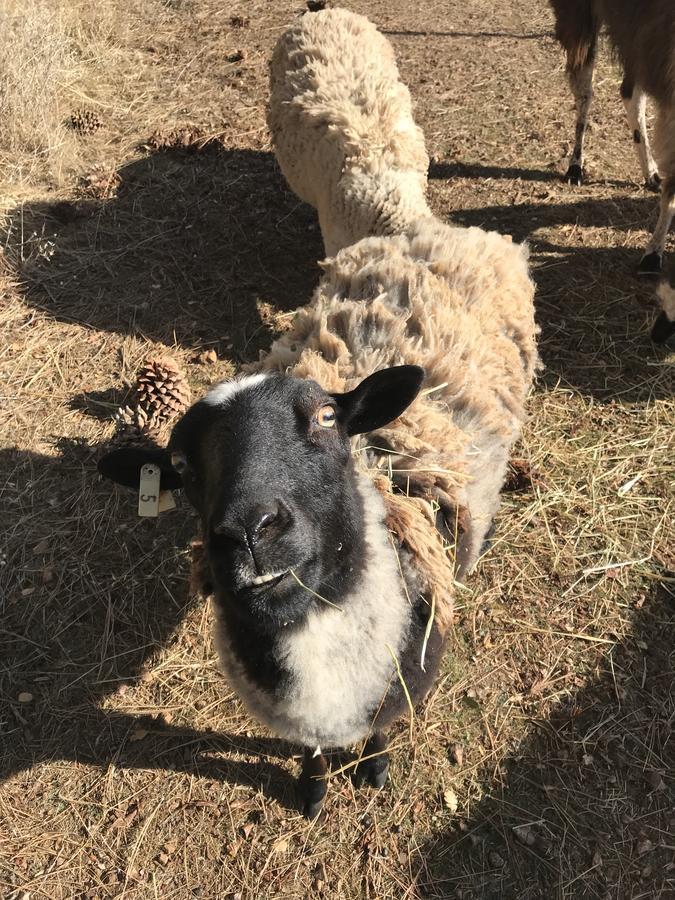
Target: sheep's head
266, 462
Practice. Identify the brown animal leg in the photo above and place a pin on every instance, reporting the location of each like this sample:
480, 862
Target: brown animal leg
576, 28
312, 785
652, 262
581, 82
635, 102
664, 326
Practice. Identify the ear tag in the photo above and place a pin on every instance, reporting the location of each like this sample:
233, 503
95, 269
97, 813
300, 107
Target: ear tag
166, 501
148, 491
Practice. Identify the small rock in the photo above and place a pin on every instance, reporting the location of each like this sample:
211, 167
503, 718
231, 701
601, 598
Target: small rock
25, 697
450, 800
644, 846
456, 753
496, 859
655, 780
525, 835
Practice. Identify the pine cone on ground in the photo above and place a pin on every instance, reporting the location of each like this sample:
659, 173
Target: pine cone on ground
135, 429
84, 121
162, 391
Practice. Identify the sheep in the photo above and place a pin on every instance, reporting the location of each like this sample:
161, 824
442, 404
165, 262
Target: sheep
342, 127
332, 565
577, 24
643, 37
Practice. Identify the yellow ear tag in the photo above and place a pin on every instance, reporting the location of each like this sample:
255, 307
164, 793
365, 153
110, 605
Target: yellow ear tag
166, 501
148, 491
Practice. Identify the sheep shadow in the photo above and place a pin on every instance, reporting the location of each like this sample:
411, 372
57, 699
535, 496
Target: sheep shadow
442, 170
189, 244
532, 36
89, 597
583, 808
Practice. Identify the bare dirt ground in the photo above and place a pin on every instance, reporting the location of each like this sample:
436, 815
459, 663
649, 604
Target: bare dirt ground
542, 766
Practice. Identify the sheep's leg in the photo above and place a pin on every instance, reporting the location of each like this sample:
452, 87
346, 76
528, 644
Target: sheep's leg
635, 101
664, 326
374, 766
312, 785
581, 82
652, 261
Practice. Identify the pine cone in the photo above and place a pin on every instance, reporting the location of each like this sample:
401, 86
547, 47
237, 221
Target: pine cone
135, 429
162, 392
84, 121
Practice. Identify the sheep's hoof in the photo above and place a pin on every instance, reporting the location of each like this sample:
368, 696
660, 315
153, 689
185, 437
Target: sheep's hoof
373, 771
653, 183
574, 175
311, 793
663, 329
651, 263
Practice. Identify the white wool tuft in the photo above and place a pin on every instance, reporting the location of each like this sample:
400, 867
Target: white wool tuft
223, 392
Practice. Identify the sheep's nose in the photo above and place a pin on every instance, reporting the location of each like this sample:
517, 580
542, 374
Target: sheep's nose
266, 520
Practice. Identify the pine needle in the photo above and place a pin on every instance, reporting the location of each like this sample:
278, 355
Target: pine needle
405, 689
314, 593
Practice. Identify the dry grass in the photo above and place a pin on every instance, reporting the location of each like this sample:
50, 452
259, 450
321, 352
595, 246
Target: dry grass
36, 58
132, 771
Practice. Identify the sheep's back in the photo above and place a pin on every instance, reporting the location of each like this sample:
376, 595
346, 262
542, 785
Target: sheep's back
335, 97
464, 313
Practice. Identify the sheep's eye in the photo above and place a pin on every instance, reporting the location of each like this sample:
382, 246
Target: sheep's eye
325, 417
179, 462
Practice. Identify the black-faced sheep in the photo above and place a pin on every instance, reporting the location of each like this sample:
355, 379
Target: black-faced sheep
643, 37
343, 130
330, 569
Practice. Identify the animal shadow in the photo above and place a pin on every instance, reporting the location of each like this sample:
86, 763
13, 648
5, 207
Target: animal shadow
188, 248
89, 597
583, 806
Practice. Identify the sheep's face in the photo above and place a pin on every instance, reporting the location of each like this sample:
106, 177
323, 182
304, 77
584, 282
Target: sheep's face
266, 461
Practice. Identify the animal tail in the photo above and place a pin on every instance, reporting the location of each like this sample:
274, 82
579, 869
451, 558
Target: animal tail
576, 29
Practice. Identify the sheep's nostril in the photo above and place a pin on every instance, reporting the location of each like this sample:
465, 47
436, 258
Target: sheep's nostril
266, 519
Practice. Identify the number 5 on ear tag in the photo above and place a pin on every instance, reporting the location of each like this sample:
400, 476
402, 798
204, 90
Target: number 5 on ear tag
148, 492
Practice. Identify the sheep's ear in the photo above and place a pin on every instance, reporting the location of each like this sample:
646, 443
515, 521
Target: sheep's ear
379, 399
124, 466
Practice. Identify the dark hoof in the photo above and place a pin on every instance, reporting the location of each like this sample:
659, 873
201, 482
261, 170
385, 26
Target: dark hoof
653, 183
663, 329
310, 809
373, 771
311, 793
574, 175
651, 263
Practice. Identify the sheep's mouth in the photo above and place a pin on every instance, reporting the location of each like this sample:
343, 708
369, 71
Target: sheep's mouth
258, 584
